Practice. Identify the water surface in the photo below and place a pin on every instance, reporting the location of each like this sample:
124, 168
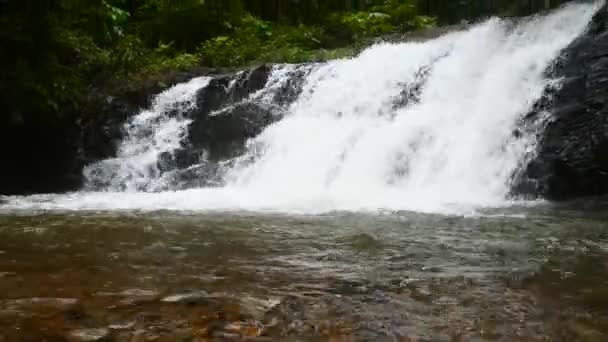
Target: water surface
530, 273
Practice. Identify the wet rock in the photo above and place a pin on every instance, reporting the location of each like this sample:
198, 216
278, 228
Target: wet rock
230, 89
226, 335
224, 119
244, 329
571, 160
288, 92
191, 298
132, 296
224, 134
138, 296
228, 113
257, 307
90, 335
422, 293
122, 326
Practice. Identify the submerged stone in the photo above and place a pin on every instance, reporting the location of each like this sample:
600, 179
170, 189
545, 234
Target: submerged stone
192, 298
90, 335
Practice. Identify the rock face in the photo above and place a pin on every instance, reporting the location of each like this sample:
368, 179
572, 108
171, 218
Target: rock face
572, 159
224, 118
230, 110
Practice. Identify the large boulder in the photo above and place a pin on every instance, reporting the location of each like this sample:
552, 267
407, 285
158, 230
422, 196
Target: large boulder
226, 115
232, 109
572, 156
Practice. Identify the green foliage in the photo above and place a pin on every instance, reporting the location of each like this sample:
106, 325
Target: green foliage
356, 25
129, 53
115, 20
422, 22
223, 51
244, 43
405, 15
57, 51
256, 40
399, 10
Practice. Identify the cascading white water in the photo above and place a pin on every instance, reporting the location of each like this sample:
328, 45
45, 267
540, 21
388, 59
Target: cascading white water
149, 134
160, 131
347, 143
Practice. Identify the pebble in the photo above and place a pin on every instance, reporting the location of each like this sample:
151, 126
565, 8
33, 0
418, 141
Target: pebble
137, 296
192, 298
256, 307
122, 326
90, 335
244, 329
224, 335
177, 249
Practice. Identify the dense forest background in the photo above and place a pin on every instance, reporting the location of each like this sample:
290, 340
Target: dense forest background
56, 52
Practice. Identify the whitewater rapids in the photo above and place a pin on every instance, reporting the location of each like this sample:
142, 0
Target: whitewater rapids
348, 143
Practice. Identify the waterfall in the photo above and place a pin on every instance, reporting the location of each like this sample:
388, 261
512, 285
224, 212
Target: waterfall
153, 132
424, 126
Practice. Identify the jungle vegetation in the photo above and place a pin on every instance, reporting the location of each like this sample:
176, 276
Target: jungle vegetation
55, 53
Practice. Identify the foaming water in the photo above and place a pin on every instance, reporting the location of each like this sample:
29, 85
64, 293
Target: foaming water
412, 126
161, 129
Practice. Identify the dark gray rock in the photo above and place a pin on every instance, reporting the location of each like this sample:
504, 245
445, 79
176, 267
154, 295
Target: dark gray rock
224, 134
572, 156
230, 89
90, 335
189, 298
228, 113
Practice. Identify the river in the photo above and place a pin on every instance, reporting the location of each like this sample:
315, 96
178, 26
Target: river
521, 273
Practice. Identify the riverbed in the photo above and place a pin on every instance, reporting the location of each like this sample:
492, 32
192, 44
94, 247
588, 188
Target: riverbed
532, 272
